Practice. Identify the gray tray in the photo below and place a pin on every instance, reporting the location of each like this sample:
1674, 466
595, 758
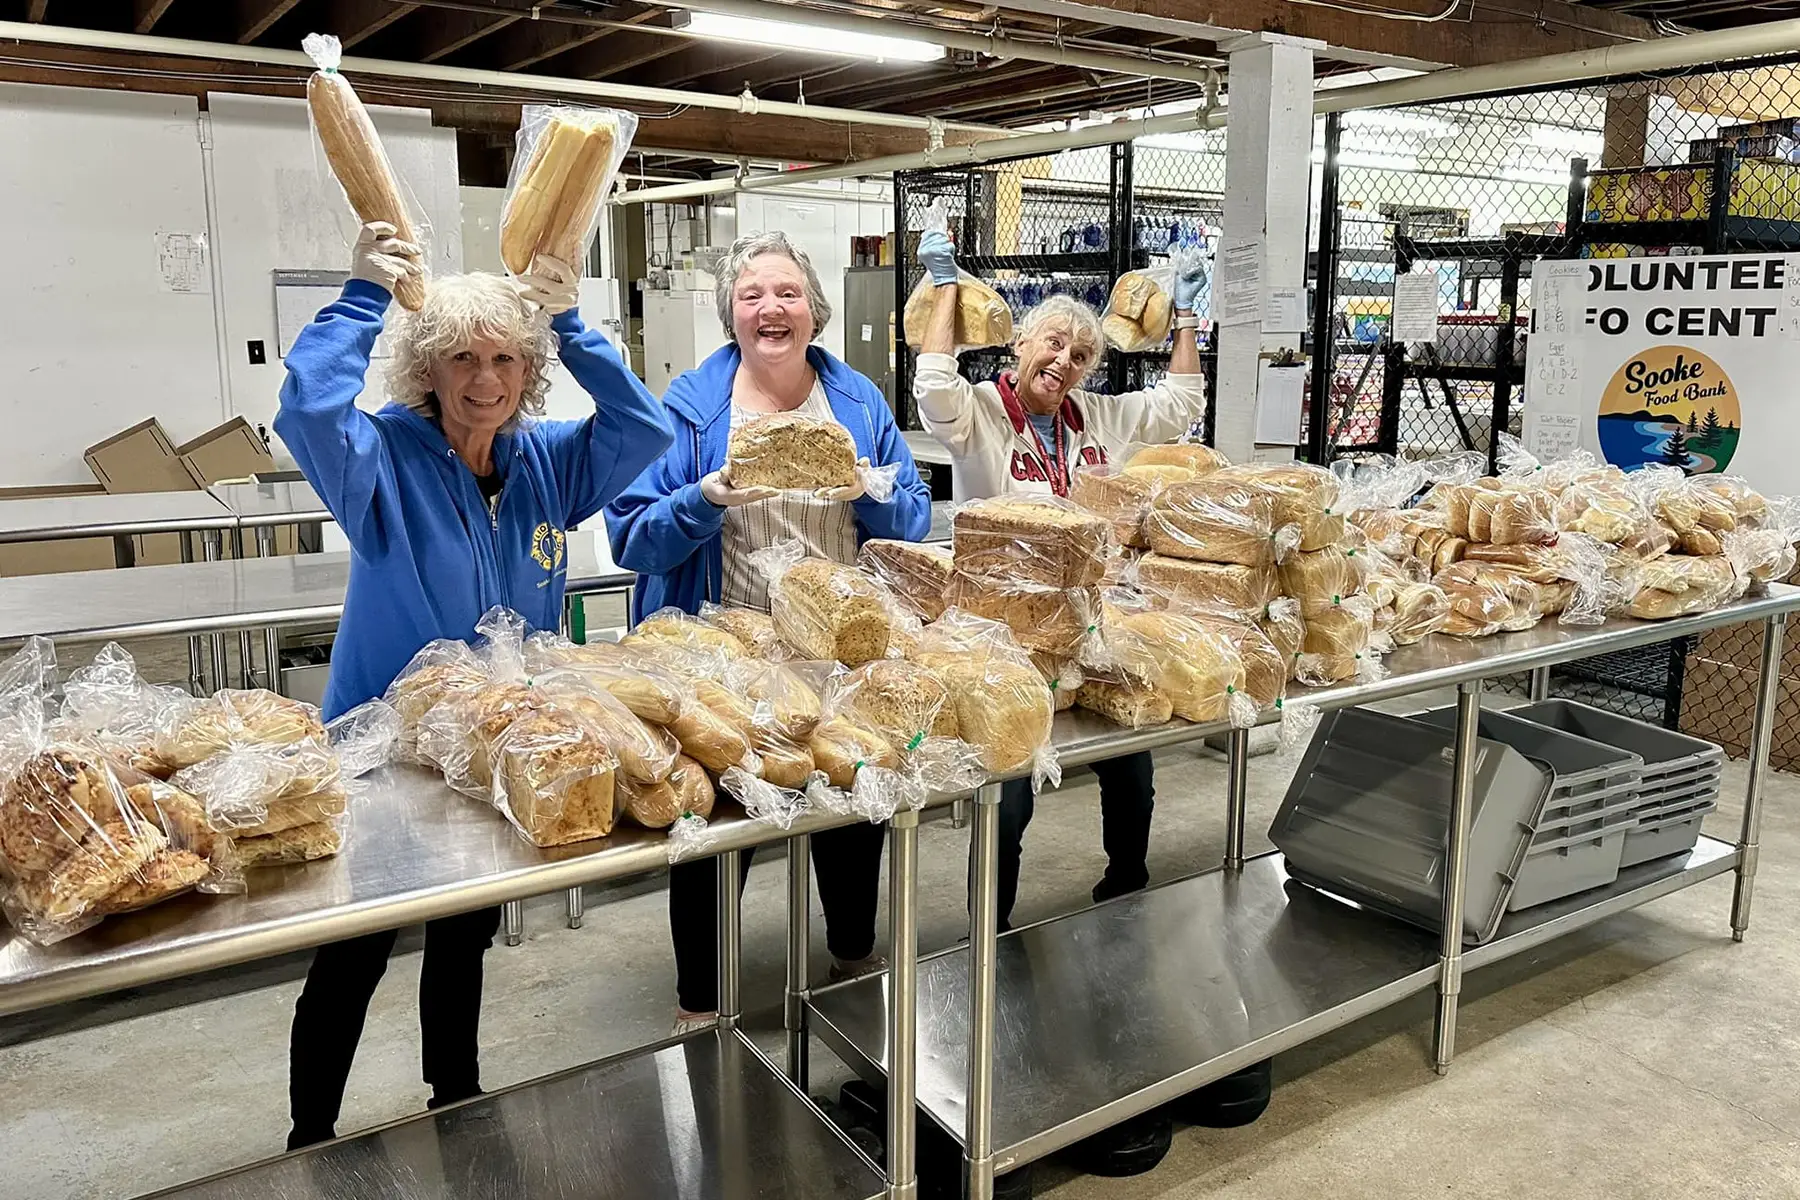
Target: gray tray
1368, 814
1676, 833
1588, 858
1592, 779
1665, 753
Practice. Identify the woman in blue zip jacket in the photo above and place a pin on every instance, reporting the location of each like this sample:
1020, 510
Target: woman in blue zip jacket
454, 500
688, 533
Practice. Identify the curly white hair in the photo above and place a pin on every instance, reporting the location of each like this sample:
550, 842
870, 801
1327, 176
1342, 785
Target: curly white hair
458, 309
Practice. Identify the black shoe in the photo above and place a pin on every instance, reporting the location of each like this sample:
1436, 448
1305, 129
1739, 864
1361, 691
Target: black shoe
1130, 1148
300, 1139
1111, 887
1238, 1099
449, 1097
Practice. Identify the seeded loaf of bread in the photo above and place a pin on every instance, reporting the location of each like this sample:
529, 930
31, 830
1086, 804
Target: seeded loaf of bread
1030, 541
789, 451
916, 572
831, 612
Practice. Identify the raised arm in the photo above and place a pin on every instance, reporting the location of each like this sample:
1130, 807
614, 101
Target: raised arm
1168, 409
947, 404
335, 442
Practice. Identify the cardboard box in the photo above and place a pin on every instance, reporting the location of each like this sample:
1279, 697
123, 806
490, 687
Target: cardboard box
1718, 703
66, 554
233, 450
1758, 189
140, 459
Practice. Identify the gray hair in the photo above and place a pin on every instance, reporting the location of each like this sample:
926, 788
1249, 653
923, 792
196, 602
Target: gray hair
1066, 312
755, 245
458, 309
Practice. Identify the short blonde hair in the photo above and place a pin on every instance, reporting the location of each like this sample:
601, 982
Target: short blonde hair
1068, 313
458, 309
755, 245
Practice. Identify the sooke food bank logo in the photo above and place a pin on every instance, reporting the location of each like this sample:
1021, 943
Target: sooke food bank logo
1671, 405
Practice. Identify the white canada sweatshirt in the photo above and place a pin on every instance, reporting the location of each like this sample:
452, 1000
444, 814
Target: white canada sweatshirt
996, 451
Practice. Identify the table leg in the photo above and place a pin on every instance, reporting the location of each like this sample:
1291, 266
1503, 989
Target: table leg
196, 671
1456, 872
903, 1005
577, 907
1237, 790
978, 1154
959, 814
1540, 684
731, 936
246, 659
512, 914
265, 548
799, 944
213, 548
1768, 688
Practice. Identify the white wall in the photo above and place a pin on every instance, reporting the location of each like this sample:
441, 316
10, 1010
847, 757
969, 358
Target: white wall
277, 207
90, 341
481, 208
821, 219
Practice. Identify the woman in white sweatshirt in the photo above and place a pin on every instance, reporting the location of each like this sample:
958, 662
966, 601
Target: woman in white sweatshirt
1024, 433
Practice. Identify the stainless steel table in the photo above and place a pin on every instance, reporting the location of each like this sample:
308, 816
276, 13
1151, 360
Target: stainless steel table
416, 851
1033, 1041
263, 508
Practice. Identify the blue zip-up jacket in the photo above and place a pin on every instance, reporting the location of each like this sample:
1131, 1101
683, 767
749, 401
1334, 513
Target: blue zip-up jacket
665, 530
427, 557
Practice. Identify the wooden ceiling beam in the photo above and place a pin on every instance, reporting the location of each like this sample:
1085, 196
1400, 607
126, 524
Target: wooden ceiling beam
253, 17
702, 59
605, 62
357, 21
146, 13
448, 31
529, 43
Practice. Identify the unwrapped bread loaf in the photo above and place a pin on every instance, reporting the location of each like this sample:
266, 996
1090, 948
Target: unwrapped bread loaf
790, 451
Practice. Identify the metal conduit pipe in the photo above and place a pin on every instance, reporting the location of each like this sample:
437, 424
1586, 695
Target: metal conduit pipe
508, 82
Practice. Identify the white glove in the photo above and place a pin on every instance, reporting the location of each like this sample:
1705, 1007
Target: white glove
850, 491
551, 284
720, 494
381, 258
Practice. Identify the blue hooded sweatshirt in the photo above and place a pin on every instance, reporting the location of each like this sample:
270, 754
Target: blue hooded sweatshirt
665, 530
427, 557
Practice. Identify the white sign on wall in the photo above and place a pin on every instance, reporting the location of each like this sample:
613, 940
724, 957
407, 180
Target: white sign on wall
1690, 361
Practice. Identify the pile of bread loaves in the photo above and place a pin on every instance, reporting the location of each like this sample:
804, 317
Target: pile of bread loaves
132, 794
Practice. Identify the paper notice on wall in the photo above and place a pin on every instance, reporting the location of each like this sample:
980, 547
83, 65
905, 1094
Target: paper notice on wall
1551, 435
1238, 290
1285, 311
299, 295
181, 264
1790, 298
1552, 285
1415, 308
1280, 393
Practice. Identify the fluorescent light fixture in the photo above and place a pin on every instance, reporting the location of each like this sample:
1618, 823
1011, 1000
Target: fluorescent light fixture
1372, 162
1401, 122
792, 36
1573, 141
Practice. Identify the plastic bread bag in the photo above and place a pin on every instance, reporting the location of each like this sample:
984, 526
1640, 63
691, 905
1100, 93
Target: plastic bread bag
1002, 705
1486, 598
825, 610
1216, 518
1378, 483
983, 317
1685, 508
673, 625
1419, 609
1607, 506
1060, 621
554, 776
690, 837
1063, 676
69, 838
646, 753
233, 718
905, 702
753, 629
1035, 541
354, 150
1749, 506
916, 573
1766, 555
564, 162
1139, 311
717, 730
196, 858
764, 801
108, 704
242, 788
440, 670
1298, 723
1340, 645
653, 694
1281, 622
1319, 579
1303, 495
1228, 590
1512, 517
685, 792
27, 685
1677, 584
1124, 704
1200, 668
1122, 494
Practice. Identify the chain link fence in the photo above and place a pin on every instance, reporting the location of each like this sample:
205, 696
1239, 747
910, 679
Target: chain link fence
1469, 194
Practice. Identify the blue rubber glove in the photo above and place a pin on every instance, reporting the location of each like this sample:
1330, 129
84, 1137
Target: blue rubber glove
938, 257
1190, 278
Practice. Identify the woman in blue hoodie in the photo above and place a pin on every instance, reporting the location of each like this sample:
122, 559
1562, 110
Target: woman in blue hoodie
453, 500
688, 533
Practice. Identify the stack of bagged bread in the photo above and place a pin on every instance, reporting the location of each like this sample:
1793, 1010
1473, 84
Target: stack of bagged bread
1122, 492
997, 697
1034, 564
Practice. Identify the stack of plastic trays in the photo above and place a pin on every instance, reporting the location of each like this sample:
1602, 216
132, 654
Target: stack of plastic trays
1680, 782
1579, 840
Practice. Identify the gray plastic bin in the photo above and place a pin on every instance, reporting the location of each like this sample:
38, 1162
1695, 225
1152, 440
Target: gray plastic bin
1667, 755
1593, 804
1367, 816
1673, 833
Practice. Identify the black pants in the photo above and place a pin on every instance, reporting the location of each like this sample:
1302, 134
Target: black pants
847, 864
1127, 801
328, 1018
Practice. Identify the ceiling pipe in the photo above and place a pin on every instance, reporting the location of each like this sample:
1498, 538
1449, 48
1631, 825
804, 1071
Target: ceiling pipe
506, 81
995, 45
1664, 54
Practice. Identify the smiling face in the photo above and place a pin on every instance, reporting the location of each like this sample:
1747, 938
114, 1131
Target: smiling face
1051, 363
770, 317
478, 386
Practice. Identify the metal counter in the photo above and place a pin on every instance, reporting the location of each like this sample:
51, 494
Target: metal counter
1030, 1042
269, 504
54, 518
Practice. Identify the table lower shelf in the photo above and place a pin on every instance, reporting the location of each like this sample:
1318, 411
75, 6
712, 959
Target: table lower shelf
705, 1117
1114, 1010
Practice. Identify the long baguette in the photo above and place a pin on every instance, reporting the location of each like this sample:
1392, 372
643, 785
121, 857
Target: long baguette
353, 149
566, 237
533, 203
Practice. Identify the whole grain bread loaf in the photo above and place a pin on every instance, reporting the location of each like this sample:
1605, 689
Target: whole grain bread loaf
1031, 541
789, 451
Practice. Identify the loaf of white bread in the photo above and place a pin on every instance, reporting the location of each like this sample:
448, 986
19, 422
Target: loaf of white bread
982, 317
1030, 542
1138, 313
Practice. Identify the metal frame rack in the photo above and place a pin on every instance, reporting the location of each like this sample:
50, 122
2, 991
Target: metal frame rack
1268, 969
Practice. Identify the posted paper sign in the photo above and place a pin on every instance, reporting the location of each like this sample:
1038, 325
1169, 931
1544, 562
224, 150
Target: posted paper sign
1416, 308
1688, 361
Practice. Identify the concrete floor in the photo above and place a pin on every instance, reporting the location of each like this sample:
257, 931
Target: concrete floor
1645, 1057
